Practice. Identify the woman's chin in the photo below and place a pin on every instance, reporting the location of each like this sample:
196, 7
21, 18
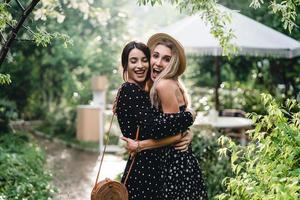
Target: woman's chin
141, 80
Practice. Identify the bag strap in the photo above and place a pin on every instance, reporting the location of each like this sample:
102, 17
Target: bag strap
133, 158
107, 140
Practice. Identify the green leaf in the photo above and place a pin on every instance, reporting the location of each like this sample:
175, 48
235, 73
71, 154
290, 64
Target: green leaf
5, 79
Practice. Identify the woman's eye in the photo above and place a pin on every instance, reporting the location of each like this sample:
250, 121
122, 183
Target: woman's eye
155, 56
145, 60
167, 59
133, 60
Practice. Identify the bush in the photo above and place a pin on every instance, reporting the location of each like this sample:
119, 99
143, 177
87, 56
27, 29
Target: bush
61, 122
268, 167
242, 97
8, 111
22, 175
231, 96
214, 167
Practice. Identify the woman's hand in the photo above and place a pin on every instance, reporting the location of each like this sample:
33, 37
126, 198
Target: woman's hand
131, 146
183, 144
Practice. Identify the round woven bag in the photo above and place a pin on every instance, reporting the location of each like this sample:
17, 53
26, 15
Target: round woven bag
109, 190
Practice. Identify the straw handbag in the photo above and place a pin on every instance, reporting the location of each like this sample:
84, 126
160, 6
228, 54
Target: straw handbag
108, 189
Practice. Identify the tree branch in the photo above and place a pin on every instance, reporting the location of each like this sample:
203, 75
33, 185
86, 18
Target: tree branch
3, 38
28, 29
20, 5
9, 25
15, 30
24, 40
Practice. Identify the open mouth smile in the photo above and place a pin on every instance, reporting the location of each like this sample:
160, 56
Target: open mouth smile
140, 72
155, 72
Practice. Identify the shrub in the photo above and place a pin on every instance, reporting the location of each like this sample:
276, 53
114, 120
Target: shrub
238, 96
231, 96
22, 175
214, 167
268, 167
61, 121
8, 111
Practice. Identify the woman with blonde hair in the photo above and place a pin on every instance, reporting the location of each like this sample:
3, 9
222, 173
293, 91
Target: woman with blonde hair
181, 176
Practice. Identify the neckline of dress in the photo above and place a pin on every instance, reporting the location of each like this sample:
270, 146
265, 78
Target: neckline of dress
135, 85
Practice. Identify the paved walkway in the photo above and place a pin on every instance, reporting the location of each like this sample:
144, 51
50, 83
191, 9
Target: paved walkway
74, 171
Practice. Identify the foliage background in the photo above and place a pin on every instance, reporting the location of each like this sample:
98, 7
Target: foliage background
268, 167
49, 82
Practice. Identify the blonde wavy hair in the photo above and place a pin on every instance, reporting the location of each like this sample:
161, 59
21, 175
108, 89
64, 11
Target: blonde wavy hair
170, 72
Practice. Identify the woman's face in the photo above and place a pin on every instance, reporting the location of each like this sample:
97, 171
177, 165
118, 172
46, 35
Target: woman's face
160, 59
138, 66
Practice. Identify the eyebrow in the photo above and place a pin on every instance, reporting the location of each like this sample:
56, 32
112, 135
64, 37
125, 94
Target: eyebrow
163, 56
135, 58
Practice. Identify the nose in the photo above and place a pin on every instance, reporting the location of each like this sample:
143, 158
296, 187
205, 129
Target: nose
140, 64
158, 62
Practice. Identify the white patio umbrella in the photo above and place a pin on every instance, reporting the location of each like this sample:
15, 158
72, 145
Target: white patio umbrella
252, 38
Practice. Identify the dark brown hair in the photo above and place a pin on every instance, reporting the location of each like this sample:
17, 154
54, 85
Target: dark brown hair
127, 49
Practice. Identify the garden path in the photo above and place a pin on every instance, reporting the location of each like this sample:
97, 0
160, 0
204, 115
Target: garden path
74, 171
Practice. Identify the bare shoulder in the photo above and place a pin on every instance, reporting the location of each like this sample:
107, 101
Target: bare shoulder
166, 90
166, 85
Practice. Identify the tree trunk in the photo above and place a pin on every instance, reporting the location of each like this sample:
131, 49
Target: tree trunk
218, 81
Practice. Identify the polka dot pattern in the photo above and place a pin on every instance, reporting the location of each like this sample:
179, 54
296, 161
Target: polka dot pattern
181, 175
149, 176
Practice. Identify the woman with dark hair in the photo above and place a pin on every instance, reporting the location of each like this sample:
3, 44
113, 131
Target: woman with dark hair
134, 109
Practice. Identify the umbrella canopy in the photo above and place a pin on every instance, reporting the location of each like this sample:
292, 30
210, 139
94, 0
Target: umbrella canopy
252, 37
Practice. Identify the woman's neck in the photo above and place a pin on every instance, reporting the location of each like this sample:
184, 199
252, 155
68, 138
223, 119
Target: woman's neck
148, 85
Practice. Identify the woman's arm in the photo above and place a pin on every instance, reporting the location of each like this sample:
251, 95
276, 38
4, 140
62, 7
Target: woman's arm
151, 144
135, 146
140, 145
166, 92
133, 106
166, 89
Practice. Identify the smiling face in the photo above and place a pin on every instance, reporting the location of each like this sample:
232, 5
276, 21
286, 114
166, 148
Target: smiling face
138, 67
160, 60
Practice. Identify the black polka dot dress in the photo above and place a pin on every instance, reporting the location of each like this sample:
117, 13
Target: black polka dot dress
181, 176
134, 109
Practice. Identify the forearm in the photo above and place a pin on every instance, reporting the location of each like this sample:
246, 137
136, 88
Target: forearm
152, 144
159, 125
